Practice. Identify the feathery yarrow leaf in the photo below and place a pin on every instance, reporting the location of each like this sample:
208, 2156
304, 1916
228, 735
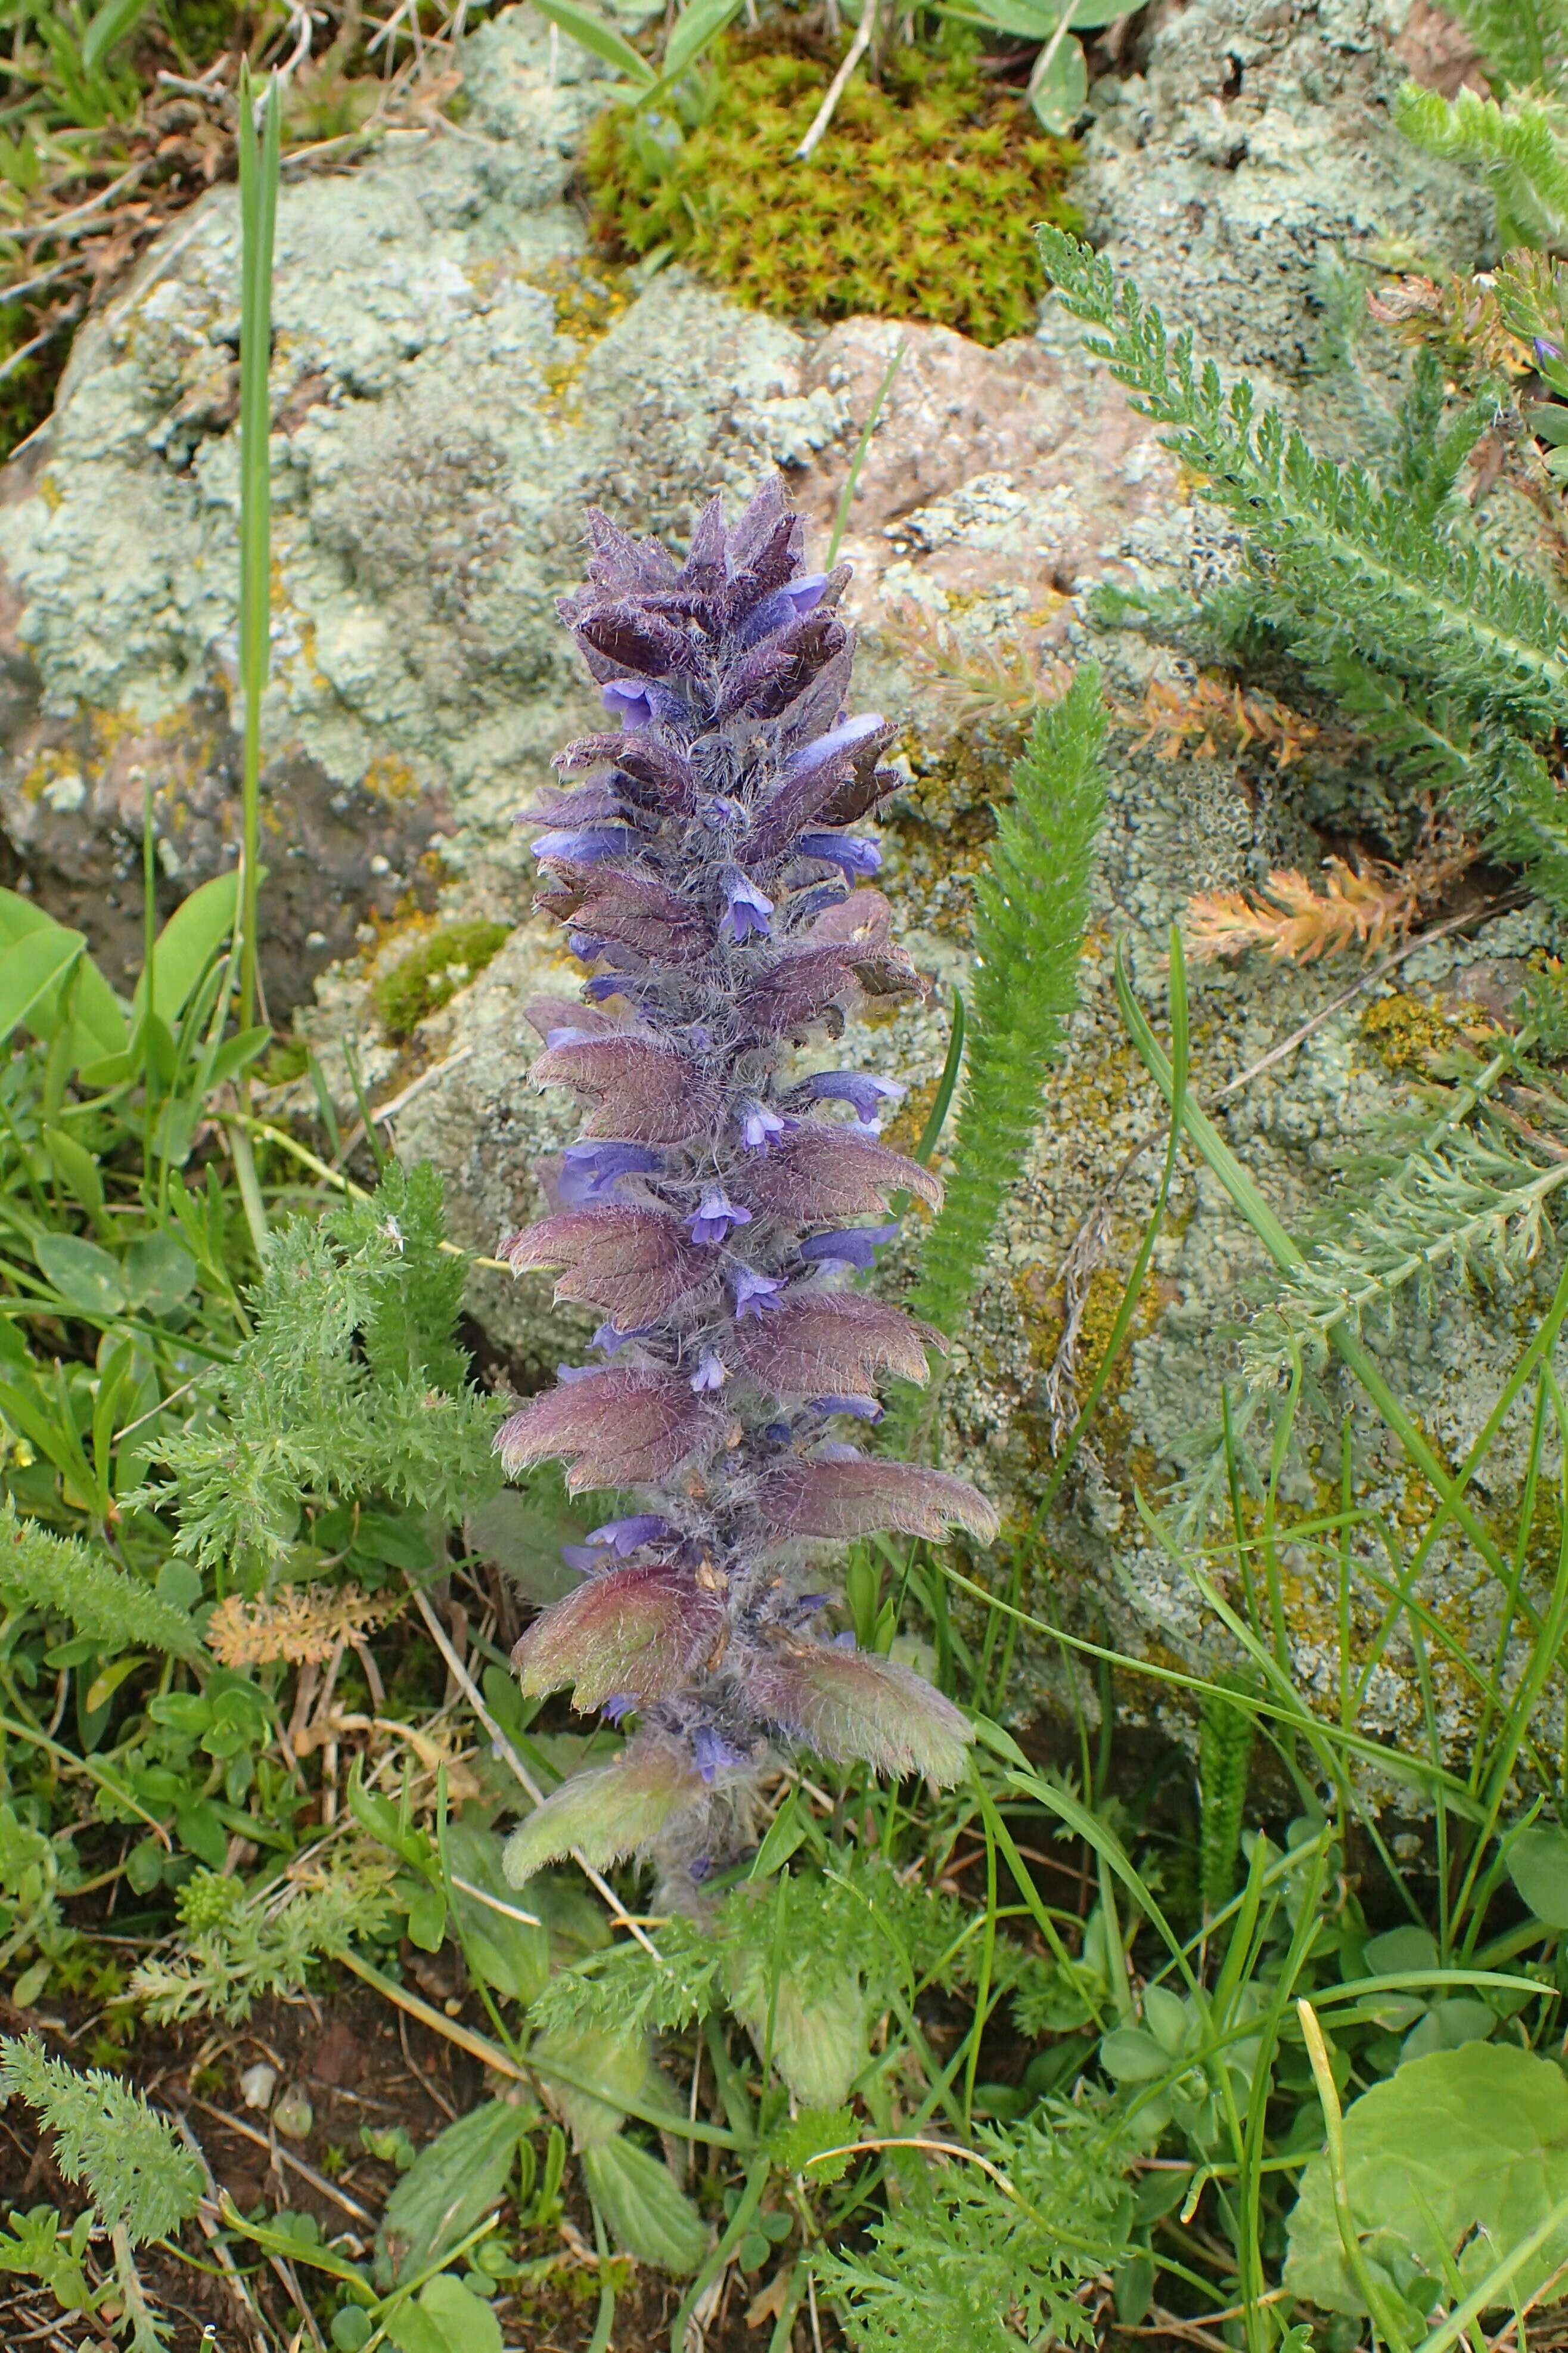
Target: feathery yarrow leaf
137, 2173
1520, 146
1357, 579
62, 1576
1523, 43
1473, 1197
1031, 906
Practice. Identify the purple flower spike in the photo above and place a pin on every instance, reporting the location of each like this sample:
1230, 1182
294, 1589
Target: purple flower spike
704, 871
713, 1754
865, 1094
859, 859
855, 1246
1547, 350
629, 700
759, 1126
754, 1292
863, 1408
623, 1537
585, 845
786, 605
746, 909
591, 1172
713, 1221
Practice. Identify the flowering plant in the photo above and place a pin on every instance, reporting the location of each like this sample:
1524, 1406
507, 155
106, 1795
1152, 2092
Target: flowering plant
709, 875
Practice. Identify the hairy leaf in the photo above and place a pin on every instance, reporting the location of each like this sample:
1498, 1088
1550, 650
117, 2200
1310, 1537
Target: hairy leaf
645, 1093
614, 1428
854, 1499
854, 1704
635, 1263
607, 1813
639, 1628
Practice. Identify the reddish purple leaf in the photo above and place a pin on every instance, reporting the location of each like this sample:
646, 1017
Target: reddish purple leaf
767, 679
812, 781
858, 796
640, 1630
645, 1091
863, 920
854, 1704
833, 1345
632, 1262
632, 638
646, 916
547, 1013
615, 1429
856, 1499
819, 1173
797, 989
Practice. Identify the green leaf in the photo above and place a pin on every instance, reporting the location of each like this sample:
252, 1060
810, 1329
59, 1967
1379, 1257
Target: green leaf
1453, 2161
1131, 2056
1537, 1866
1031, 905
805, 2140
450, 2186
426, 1914
601, 40
18, 916
158, 1274
30, 968
617, 2067
446, 2318
86, 1277
139, 2176
511, 1956
525, 1538
115, 22
695, 28
1057, 92
785, 1832
76, 1167
646, 2209
186, 945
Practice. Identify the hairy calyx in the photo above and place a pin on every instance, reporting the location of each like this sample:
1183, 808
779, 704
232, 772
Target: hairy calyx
723, 1199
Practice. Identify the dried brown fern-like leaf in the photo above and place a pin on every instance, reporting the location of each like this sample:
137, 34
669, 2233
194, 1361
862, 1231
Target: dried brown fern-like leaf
1005, 679
1211, 716
301, 1624
1367, 904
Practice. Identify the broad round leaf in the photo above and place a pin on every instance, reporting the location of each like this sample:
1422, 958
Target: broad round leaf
1537, 1866
86, 1277
1451, 2162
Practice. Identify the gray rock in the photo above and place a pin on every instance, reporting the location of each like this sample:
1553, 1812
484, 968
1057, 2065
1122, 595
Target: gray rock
454, 376
1258, 141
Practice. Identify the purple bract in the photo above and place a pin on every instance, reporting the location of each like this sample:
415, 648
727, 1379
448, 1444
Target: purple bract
702, 1212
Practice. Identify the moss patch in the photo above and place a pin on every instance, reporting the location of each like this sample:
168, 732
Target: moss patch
920, 203
431, 977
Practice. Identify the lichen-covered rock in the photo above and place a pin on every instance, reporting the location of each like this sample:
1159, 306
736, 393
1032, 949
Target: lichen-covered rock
1256, 143
455, 376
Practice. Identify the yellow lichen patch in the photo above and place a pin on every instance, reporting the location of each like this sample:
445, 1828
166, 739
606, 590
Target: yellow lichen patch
389, 778
589, 295
905, 1129
1410, 1036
